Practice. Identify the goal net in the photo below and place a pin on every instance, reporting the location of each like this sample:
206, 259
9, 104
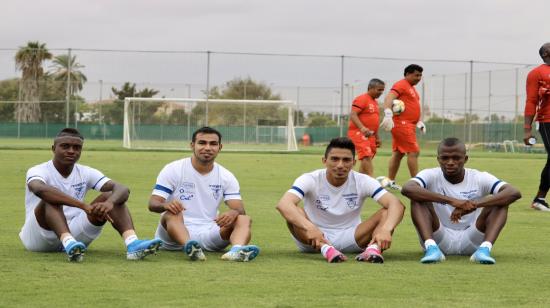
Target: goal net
245, 125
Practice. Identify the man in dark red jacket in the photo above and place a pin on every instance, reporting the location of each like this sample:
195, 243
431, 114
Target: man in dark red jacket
538, 103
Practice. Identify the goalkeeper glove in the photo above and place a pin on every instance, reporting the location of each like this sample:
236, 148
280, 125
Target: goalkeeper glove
387, 122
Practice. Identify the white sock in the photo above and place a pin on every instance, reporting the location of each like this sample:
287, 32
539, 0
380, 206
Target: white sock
429, 242
487, 244
130, 239
67, 240
324, 249
373, 246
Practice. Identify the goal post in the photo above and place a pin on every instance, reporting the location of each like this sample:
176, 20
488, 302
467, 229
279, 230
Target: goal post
245, 125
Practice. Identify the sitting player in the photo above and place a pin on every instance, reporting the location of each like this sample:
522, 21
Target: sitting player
188, 194
330, 220
57, 218
450, 208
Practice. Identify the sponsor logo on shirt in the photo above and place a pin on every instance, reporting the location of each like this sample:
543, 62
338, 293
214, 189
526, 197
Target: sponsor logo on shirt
187, 191
469, 195
322, 202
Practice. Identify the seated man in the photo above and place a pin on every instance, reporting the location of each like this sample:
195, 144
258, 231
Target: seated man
188, 193
57, 218
450, 208
330, 220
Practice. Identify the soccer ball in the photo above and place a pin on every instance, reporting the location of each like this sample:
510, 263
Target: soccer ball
397, 106
384, 181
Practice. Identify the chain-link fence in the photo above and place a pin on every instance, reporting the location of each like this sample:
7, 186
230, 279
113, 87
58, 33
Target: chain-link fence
473, 100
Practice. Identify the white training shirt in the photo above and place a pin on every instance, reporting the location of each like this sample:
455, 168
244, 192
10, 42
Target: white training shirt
81, 179
201, 195
475, 186
333, 207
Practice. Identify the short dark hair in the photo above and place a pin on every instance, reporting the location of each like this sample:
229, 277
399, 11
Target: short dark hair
543, 48
69, 131
206, 130
450, 142
412, 68
374, 83
340, 143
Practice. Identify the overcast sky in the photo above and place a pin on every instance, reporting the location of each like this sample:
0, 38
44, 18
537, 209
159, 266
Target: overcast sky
485, 30
495, 30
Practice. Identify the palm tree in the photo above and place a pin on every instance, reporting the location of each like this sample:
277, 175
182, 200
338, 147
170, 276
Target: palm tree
29, 60
62, 66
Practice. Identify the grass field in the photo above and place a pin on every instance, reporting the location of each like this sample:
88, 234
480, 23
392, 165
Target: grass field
280, 276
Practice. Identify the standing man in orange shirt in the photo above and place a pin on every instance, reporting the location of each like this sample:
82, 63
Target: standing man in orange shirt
538, 102
363, 124
403, 125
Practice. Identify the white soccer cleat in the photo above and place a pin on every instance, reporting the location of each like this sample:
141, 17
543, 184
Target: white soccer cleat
540, 205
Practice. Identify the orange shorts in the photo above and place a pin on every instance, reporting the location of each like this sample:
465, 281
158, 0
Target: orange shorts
404, 139
364, 146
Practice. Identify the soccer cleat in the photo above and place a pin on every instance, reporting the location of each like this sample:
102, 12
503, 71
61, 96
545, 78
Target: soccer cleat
334, 256
244, 254
482, 256
394, 186
433, 255
75, 251
540, 205
194, 250
139, 249
371, 255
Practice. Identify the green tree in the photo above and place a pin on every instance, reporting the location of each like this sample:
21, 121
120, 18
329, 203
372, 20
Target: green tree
29, 60
240, 114
60, 73
144, 111
9, 90
319, 119
437, 119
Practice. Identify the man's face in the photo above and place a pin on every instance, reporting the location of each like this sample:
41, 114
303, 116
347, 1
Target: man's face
206, 147
452, 159
414, 77
67, 150
339, 163
376, 91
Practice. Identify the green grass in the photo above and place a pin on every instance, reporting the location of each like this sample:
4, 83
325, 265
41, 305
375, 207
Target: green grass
280, 276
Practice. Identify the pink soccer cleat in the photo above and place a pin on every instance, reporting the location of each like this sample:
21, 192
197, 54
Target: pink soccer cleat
334, 256
371, 255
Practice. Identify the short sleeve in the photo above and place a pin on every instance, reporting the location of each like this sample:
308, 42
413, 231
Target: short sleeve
359, 103
302, 185
489, 183
96, 179
232, 188
398, 89
36, 173
166, 181
424, 177
372, 188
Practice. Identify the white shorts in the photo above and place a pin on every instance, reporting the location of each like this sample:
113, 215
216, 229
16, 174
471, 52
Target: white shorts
341, 239
36, 238
208, 235
458, 242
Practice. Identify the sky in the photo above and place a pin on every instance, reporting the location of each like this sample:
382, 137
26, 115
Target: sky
482, 30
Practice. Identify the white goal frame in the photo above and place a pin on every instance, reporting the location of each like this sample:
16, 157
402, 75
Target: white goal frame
291, 144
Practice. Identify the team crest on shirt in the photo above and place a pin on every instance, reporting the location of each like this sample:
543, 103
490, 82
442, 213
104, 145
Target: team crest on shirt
411, 91
322, 202
79, 190
351, 200
216, 190
469, 195
187, 191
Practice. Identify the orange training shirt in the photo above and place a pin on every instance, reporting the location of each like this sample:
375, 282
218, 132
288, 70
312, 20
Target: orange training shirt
367, 111
538, 93
407, 93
